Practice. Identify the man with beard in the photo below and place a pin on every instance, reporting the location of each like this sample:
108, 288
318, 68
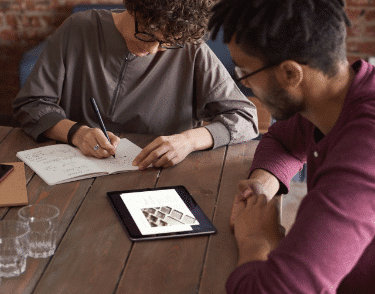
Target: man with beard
292, 54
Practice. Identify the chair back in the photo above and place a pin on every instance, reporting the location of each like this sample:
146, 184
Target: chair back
222, 52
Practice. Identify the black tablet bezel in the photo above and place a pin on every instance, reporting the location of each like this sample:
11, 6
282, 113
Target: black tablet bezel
205, 225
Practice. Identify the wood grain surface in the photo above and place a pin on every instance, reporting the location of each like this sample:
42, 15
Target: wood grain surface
94, 254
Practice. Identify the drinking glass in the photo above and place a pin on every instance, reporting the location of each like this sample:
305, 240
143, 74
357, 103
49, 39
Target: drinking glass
13, 247
42, 220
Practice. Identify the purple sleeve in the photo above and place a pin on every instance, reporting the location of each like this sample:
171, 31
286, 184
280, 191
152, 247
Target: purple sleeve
282, 150
334, 225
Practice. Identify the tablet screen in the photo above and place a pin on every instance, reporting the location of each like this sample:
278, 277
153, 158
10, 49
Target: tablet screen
156, 213
161, 211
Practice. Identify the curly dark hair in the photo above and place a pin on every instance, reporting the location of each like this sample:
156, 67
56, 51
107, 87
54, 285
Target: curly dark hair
180, 21
312, 32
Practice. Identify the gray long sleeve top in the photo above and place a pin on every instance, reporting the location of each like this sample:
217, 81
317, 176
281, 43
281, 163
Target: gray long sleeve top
160, 94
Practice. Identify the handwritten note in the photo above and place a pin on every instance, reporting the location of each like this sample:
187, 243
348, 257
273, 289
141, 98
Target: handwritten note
63, 163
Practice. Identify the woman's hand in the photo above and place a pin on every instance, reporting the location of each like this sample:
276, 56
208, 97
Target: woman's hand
93, 142
166, 151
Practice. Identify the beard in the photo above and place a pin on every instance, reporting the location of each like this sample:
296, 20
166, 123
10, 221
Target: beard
281, 104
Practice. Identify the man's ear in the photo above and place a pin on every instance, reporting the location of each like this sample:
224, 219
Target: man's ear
289, 74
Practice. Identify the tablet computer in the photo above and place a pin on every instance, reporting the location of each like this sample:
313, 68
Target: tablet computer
158, 213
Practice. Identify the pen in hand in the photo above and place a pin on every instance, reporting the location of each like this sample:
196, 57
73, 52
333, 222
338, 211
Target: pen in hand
102, 126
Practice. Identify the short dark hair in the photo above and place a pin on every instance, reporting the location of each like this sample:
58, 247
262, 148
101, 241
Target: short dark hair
181, 21
312, 32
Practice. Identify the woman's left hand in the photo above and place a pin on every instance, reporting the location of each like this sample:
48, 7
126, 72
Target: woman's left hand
164, 151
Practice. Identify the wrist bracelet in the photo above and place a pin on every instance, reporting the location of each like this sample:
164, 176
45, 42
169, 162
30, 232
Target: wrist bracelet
72, 131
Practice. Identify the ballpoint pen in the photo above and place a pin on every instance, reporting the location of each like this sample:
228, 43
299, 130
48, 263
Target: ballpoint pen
102, 126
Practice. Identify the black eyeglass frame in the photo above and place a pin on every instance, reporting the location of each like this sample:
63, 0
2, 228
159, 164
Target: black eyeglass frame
237, 68
177, 46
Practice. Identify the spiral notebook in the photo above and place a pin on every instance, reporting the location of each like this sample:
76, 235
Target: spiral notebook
62, 163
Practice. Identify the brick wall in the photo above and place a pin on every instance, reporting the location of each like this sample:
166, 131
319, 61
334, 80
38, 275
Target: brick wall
24, 23
361, 35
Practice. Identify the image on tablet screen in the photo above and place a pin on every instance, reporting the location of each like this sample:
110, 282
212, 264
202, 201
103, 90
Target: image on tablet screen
156, 212
167, 216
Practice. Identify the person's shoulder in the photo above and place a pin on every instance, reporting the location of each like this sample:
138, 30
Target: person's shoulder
201, 48
89, 19
203, 54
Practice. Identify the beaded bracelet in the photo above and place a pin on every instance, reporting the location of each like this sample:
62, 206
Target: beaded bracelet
72, 131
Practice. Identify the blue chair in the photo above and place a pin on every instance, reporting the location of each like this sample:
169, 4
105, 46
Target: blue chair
222, 52
30, 57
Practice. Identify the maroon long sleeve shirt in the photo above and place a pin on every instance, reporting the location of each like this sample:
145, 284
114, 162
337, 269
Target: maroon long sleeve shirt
331, 247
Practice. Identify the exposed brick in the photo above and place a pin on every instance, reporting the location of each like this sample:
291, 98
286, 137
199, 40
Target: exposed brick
352, 58
42, 7
8, 35
353, 14
356, 30
370, 15
16, 6
370, 32
12, 21
368, 3
38, 5
48, 20
361, 47
1, 19
31, 21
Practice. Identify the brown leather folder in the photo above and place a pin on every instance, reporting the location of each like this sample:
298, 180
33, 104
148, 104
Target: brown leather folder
13, 187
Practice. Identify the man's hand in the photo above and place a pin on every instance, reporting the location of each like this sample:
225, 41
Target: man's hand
256, 228
166, 151
87, 138
260, 182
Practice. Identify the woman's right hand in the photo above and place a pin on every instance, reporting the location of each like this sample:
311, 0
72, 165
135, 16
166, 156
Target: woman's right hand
87, 139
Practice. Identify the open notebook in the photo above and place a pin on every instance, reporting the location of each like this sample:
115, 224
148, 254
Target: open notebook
63, 163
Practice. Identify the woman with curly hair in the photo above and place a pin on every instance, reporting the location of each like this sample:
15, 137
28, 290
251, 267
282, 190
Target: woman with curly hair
150, 73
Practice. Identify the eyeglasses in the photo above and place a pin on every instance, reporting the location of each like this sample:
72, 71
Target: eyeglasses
241, 76
146, 37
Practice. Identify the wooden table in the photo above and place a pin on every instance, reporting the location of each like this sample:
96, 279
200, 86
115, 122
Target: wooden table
94, 254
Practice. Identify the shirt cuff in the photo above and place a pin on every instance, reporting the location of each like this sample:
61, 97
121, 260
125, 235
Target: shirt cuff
284, 184
219, 133
44, 123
